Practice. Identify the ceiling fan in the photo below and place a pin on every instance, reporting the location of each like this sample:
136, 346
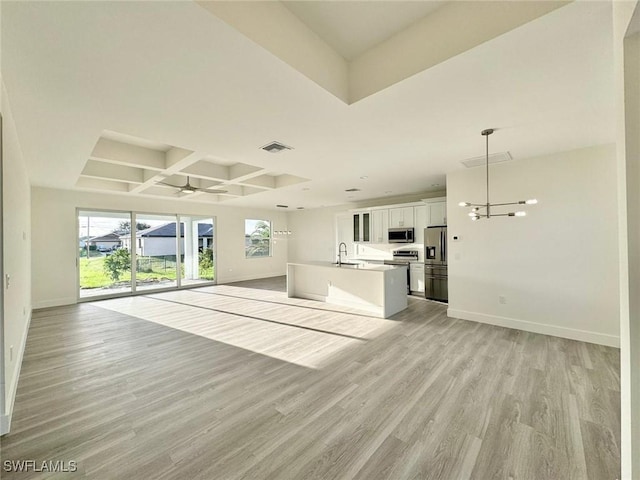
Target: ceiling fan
188, 188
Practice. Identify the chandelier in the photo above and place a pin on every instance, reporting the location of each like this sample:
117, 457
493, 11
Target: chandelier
483, 210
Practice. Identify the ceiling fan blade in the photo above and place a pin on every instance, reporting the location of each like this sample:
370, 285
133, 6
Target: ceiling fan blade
169, 185
212, 190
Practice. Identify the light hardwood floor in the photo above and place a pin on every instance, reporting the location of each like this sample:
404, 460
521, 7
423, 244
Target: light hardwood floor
240, 382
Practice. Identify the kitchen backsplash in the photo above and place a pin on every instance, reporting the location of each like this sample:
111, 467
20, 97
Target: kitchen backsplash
382, 251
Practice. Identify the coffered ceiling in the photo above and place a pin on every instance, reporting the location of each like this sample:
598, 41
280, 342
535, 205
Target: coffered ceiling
129, 165
202, 87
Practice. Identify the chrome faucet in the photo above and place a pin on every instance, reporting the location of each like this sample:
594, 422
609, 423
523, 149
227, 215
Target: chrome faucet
340, 252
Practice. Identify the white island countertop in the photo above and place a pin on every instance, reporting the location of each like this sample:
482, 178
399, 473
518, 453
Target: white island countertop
380, 290
355, 266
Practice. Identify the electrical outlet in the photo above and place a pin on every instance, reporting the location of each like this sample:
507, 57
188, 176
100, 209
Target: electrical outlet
502, 299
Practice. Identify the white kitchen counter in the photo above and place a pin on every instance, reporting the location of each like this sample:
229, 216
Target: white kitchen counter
380, 290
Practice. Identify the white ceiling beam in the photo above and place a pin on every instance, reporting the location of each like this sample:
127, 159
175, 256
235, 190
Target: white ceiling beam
126, 154
208, 170
265, 181
104, 185
179, 156
110, 171
241, 171
176, 160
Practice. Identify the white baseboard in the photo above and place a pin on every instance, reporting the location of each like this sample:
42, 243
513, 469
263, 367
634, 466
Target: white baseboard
5, 420
527, 326
56, 302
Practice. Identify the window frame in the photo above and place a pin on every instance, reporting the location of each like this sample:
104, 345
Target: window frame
270, 239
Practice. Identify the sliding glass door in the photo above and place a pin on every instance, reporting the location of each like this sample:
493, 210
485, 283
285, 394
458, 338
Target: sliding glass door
197, 250
156, 245
122, 253
104, 262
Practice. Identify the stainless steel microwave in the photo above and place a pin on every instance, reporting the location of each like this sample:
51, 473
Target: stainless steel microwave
400, 235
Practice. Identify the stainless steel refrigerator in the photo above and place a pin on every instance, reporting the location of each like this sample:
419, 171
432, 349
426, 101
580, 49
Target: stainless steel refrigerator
435, 264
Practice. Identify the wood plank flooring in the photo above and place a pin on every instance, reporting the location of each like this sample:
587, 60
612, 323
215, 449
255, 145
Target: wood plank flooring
240, 382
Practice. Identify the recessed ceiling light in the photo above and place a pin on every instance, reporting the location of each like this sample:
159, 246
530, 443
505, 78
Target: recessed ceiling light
275, 147
364, 177
352, 190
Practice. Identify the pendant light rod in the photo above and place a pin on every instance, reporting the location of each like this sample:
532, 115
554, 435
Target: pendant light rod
476, 212
486, 134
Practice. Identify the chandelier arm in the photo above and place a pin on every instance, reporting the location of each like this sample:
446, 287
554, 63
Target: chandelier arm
509, 203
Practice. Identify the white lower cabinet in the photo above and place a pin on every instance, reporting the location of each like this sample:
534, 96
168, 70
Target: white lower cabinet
416, 277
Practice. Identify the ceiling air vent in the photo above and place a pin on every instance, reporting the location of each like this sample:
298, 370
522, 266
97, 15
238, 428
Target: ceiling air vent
276, 147
482, 160
352, 190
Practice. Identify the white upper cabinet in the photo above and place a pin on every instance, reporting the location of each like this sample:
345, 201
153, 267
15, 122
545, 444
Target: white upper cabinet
401, 217
436, 211
379, 225
420, 222
361, 226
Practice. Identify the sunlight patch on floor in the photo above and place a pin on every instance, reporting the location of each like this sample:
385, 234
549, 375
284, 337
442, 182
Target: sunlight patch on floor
302, 332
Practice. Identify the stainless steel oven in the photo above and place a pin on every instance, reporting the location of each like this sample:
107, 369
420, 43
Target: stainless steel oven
404, 258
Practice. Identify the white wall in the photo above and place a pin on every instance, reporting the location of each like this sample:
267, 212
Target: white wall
632, 127
556, 267
55, 239
16, 255
626, 48
313, 235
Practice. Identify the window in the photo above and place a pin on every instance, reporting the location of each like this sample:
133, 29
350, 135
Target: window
257, 238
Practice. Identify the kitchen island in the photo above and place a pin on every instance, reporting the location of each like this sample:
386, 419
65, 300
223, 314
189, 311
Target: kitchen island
380, 290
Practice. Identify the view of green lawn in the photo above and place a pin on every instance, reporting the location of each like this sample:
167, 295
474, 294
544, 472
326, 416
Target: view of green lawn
93, 274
